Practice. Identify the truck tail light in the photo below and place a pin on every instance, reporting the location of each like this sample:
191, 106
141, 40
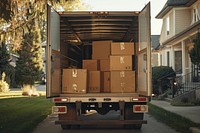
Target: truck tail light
140, 108
60, 100
59, 109
140, 99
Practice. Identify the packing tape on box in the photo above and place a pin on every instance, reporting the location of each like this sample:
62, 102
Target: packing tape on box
122, 74
74, 73
122, 59
122, 45
122, 84
75, 87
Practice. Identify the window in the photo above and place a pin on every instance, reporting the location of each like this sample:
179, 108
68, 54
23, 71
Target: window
195, 15
168, 25
178, 62
168, 59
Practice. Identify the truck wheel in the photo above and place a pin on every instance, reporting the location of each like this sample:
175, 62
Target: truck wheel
64, 127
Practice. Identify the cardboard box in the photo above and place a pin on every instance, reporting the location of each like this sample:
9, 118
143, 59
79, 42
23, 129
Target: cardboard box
122, 48
94, 81
101, 49
121, 62
104, 65
92, 65
105, 82
74, 81
122, 81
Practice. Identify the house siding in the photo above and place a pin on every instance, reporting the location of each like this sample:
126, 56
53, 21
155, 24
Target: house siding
164, 36
182, 19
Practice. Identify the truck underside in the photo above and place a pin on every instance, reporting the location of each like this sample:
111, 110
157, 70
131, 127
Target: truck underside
70, 35
127, 110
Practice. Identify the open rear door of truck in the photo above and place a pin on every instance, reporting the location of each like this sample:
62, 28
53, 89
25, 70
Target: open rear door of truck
53, 71
144, 53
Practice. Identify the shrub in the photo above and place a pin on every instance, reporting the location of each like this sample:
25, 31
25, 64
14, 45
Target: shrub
4, 87
162, 73
29, 90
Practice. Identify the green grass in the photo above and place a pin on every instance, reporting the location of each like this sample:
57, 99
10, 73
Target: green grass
173, 120
22, 115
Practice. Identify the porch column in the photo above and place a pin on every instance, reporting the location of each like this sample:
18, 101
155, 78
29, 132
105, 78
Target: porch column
183, 57
172, 57
159, 63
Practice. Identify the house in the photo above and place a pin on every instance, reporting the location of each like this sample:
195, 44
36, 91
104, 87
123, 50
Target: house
181, 22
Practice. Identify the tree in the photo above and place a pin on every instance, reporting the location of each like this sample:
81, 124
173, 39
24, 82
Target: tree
195, 51
23, 24
5, 64
195, 55
29, 66
4, 58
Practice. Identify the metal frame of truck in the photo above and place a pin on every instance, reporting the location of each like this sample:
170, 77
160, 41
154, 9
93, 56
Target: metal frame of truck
81, 28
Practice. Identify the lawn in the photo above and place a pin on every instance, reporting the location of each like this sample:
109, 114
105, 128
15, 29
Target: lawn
22, 114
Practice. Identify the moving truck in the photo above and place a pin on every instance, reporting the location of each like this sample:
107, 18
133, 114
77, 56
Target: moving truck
99, 61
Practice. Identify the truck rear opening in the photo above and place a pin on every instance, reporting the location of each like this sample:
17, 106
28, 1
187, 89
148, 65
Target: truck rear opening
99, 61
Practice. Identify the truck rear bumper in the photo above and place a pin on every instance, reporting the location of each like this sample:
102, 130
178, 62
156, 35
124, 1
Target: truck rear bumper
100, 122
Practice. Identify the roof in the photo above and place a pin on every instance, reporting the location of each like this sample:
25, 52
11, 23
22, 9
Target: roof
174, 3
155, 41
96, 26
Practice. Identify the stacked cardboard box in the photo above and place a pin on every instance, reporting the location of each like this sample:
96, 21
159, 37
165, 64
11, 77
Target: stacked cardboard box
122, 78
109, 70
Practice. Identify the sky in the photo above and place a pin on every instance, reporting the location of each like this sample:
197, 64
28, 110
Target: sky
131, 5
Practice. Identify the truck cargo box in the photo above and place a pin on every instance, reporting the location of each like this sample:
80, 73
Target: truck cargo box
99, 61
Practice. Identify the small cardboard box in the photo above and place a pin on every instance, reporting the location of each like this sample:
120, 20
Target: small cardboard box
94, 81
105, 65
91, 65
122, 48
74, 81
101, 49
105, 82
121, 62
122, 81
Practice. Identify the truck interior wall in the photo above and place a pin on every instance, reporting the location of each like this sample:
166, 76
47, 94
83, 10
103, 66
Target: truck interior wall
71, 55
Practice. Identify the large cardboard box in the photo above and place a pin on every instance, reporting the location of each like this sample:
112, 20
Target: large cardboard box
101, 49
94, 81
122, 81
91, 65
105, 65
105, 82
121, 62
122, 48
74, 81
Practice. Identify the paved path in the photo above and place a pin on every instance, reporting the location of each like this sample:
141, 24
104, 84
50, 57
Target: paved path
189, 112
153, 126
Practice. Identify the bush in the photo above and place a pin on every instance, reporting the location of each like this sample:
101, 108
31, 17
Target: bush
29, 90
162, 73
4, 87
